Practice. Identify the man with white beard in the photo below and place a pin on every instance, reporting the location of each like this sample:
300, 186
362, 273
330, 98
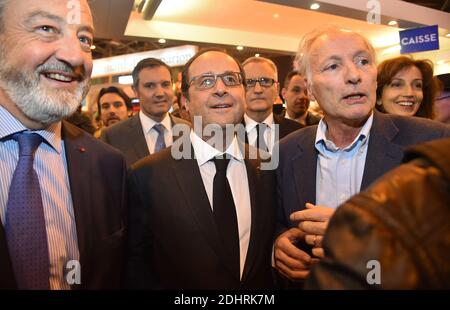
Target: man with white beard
62, 192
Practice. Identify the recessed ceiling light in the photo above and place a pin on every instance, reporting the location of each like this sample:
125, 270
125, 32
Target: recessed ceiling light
257, 55
162, 41
448, 35
239, 47
93, 47
276, 15
314, 6
392, 23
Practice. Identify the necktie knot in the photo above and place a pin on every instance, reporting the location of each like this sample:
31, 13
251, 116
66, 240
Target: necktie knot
159, 128
221, 164
160, 143
28, 143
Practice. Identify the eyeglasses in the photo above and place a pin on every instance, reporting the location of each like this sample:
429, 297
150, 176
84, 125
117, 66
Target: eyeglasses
263, 82
208, 81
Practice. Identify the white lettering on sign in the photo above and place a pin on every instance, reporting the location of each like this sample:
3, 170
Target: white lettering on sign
420, 39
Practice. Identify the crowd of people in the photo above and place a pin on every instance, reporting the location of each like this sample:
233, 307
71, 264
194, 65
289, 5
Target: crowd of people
155, 201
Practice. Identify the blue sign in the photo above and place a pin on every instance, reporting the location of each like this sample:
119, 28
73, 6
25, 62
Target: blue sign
419, 39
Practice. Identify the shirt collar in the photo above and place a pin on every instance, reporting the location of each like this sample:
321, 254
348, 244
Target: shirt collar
204, 152
148, 123
329, 145
10, 126
250, 123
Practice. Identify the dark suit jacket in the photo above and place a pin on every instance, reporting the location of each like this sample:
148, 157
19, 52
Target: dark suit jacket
174, 241
311, 118
389, 135
97, 176
286, 126
128, 137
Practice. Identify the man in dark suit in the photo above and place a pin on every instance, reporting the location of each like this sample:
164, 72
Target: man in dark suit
62, 193
295, 94
151, 129
322, 166
261, 124
217, 233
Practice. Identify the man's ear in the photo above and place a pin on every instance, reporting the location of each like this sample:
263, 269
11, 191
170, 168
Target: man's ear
283, 93
136, 92
185, 102
309, 88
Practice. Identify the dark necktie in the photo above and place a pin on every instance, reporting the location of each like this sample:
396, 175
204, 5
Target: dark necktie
260, 142
160, 143
25, 224
225, 213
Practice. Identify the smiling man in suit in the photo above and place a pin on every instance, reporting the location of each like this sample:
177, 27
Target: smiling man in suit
62, 192
217, 232
322, 166
150, 130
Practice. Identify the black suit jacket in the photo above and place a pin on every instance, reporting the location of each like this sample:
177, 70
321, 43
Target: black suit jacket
286, 126
128, 137
389, 135
97, 176
174, 241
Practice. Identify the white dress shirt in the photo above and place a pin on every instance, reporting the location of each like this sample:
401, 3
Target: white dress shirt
269, 133
237, 178
150, 133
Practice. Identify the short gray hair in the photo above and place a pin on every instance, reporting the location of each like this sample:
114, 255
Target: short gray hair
302, 59
262, 60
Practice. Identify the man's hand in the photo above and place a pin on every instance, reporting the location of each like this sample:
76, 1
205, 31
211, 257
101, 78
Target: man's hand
290, 261
313, 223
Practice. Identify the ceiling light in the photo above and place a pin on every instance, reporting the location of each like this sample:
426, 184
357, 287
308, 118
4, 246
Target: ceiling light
276, 15
257, 55
392, 23
162, 41
314, 6
93, 47
126, 79
448, 35
239, 47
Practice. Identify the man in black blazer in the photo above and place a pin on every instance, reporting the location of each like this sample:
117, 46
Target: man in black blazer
79, 196
137, 136
178, 241
261, 92
322, 166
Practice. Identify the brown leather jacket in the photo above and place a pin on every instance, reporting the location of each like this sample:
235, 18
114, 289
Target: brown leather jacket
402, 221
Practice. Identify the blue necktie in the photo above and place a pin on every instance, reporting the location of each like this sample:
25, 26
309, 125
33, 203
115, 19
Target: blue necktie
160, 143
25, 224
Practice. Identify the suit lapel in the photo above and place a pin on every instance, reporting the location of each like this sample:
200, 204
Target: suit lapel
304, 167
382, 153
136, 133
253, 167
191, 185
76, 153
